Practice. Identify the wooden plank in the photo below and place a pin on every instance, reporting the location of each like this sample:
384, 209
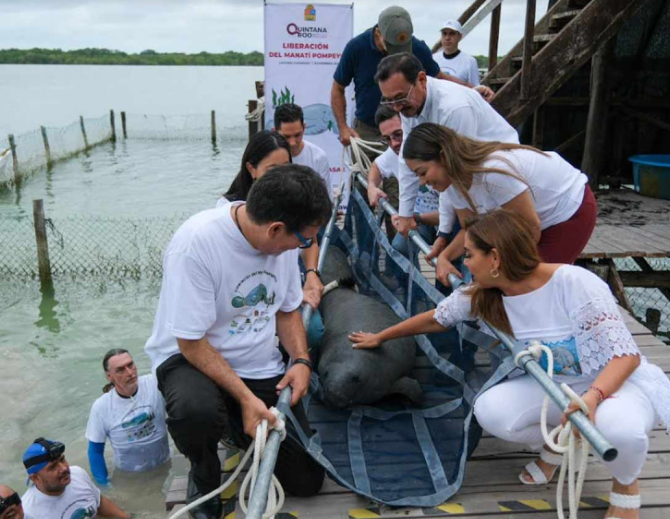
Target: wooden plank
630, 241
494, 36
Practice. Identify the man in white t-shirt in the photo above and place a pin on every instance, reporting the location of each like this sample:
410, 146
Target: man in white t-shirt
419, 99
231, 281
131, 413
10, 504
290, 124
451, 59
59, 491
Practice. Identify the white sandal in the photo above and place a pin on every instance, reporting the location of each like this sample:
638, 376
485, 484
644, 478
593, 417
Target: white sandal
536, 472
626, 501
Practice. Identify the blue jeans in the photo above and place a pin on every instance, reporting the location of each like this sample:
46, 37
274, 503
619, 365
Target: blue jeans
401, 244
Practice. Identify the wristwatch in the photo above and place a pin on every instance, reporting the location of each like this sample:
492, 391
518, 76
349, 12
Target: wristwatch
304, 361
316, 271
417, 218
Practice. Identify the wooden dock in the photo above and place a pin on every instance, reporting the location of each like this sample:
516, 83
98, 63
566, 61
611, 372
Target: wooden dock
490, 487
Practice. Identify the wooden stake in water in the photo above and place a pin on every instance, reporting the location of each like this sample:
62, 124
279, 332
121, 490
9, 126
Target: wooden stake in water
253, 125
15, 160
83, 131
213, 127
123, 125
43, 262
47, 148
112, 124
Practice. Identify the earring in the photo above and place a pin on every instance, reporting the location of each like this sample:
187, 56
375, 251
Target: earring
494, 273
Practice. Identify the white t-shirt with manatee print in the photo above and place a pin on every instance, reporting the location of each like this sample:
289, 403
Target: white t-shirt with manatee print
80, 500
135, 426
556, 187
428, 200
315, 158
216, 285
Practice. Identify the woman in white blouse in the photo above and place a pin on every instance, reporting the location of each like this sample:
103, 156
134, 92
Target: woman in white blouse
478, 177
573, 312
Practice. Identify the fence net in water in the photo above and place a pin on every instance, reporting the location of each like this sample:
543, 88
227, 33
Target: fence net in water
393, 453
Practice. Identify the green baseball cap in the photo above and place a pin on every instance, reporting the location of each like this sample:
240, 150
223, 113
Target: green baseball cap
395, 25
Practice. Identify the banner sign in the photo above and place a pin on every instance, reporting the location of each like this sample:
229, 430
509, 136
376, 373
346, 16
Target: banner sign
303, 45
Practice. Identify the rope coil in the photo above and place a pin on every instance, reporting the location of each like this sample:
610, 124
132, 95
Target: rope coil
561, 439
276, 493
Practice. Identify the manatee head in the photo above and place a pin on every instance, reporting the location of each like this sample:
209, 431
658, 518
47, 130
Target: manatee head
336, 266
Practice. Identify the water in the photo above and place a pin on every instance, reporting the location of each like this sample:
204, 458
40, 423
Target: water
52, 344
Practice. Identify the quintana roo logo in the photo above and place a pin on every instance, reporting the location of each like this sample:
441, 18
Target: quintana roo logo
310, 13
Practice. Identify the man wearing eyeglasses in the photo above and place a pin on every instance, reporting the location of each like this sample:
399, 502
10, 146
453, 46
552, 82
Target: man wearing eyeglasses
418, 99
59, 490
359, 61
230, 282
10, 504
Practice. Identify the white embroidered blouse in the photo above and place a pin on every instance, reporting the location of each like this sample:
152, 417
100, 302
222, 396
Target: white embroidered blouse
575, 315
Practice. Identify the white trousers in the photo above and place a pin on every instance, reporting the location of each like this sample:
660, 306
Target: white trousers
511, 411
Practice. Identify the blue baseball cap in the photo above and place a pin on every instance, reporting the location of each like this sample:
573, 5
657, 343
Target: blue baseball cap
40, 453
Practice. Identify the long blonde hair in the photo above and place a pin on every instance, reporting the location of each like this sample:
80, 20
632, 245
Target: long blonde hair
512, 237
460, 156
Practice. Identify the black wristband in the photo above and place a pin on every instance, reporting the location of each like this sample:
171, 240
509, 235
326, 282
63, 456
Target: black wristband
443, 235
304, 361
316, 271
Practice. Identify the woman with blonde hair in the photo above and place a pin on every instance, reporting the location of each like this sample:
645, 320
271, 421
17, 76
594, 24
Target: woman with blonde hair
573, 312
478, 177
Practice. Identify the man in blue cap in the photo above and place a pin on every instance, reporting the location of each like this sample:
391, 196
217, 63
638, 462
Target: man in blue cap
10, 504
59, 490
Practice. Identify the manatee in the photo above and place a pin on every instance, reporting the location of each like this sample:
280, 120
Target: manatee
319, 118
355, 377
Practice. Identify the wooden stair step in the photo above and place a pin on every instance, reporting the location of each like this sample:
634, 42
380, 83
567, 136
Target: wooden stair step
558, 21
498, 81
543, 38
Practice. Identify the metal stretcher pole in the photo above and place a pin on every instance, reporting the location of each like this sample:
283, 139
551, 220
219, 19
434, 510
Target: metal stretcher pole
259, 497
600, 445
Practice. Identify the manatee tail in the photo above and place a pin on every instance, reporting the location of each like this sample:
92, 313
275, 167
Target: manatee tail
408, 387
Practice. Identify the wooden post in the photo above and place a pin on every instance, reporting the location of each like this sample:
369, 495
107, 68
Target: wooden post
123, 125
112, 124
43, 263
253, 125
213, 127
83, 131
653, 319
15, 160
527, 64
494, 36
596, 123
538, 127
47, 148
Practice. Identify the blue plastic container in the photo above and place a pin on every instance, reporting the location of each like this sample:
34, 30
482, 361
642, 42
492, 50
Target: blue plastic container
651, 175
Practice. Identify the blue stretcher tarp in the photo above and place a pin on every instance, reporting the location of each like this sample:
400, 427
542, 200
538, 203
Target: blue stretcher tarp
391, 453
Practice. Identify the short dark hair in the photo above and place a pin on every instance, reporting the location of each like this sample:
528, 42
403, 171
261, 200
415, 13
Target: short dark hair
405, 63
259, 146
384, 113
292, 194
288, 113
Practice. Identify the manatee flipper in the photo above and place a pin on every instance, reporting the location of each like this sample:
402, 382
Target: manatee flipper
409, 388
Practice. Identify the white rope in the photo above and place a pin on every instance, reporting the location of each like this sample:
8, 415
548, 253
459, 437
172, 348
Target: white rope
275, 493
561, 439
257, 114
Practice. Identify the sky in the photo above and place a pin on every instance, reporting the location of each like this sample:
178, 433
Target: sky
193, 26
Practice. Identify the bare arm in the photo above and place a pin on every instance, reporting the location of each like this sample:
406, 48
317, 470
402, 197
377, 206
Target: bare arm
202, 356
421, 323
483, 90
107, 508
374, 181
292, 335
430, 218
338, 103
454, 79
313, 288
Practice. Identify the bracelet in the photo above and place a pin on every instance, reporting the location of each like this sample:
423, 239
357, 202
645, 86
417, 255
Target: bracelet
304, 361
316, 271
601, 395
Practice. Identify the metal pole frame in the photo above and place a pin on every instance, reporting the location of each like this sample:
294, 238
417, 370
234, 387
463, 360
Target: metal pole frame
258, 500
600, 445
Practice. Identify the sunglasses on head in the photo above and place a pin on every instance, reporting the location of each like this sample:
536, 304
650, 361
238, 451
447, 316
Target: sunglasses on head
6, 502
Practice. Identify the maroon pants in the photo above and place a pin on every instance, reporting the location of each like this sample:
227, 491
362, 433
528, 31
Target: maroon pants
564, 242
